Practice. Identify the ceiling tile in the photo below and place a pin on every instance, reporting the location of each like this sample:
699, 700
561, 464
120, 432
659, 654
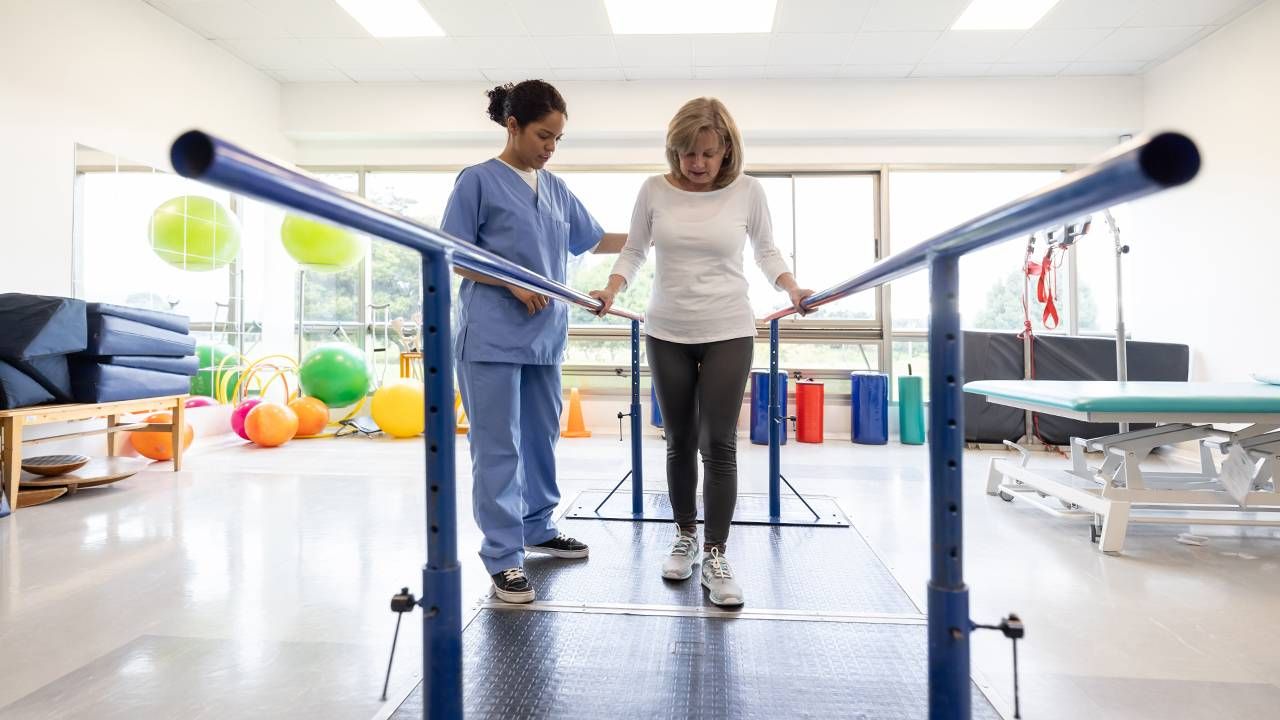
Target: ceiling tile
952, 70
1027, 69
729, 50
426, 53
809, 49
802, 71
476, 18
972, 46
309, 76
595, 74
227, 19
515, 74
890, 48
311, 19
876, 71
1138, 44
1072, 14
638, 51
737, 72
1174, 13
349, 53
912, 15
277, 54
1094, 68
563, 17
448, 75
820, 16
659, 73
381, 76
1050, 46
579, 52
508, 52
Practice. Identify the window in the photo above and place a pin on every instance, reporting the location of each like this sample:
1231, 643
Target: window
923, 204
116, 207
1095, 267
395, 303
331, 301
836, 238
610, 197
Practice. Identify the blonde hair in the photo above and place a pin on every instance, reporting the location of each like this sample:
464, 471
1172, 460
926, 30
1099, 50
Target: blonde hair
700, 114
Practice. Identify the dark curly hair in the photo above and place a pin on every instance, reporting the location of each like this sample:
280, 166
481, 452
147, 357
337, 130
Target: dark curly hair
526, 102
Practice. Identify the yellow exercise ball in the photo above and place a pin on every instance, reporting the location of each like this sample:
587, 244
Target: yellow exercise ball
399, 408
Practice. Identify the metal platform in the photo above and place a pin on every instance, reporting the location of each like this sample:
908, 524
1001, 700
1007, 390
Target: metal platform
522, 664
752, 509
824, 569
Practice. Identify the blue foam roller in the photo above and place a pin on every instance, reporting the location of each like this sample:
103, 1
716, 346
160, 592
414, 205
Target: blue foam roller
655, 412
870, 407
760, 406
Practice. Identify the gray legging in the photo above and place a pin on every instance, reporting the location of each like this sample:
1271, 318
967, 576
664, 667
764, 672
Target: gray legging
700, 388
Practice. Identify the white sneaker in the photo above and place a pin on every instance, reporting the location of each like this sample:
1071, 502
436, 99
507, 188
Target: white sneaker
684, 553
717, 577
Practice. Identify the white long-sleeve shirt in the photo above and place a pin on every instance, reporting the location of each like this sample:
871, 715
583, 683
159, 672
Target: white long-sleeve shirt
700, 293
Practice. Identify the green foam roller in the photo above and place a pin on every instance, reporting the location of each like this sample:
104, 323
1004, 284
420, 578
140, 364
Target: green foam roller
911, 409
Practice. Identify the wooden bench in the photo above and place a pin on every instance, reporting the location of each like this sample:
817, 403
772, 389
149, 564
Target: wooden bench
13, 423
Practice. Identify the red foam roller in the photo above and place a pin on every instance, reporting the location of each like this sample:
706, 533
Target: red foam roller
809, 402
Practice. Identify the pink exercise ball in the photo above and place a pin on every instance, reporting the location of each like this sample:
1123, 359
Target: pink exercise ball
240, 413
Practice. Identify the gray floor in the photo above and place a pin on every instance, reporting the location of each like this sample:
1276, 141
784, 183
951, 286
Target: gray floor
694, 668
255, 584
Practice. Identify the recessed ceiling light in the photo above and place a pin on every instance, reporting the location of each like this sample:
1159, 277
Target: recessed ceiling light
690, 17
392, 18
1002, 14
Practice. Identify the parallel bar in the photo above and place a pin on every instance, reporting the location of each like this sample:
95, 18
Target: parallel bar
775, 434
1133, 170
442, 576
637, 456
215, 161
948, 598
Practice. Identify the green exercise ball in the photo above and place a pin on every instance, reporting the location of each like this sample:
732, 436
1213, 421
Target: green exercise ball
336, 373
320, 246
191, 232
219, 369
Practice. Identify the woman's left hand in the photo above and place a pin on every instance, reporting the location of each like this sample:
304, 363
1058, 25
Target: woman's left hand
798, 294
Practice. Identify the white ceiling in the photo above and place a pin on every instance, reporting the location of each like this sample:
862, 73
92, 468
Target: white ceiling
502, 40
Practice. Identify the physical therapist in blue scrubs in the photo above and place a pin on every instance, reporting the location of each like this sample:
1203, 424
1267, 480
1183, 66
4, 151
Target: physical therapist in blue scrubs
509, 341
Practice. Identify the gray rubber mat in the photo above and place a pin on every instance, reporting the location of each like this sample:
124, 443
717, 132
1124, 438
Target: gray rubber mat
750, 510
784, 568
521, 665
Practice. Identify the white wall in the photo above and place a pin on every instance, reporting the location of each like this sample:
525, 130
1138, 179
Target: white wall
790, 123
112, 74
1205, 257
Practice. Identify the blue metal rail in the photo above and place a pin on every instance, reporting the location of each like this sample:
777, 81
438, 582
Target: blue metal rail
1136, 169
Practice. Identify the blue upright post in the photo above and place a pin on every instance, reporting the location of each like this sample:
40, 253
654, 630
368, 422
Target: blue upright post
637, 463
442, 577
775, 435
949, 692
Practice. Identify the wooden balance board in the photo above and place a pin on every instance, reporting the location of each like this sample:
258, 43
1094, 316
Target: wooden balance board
97, 472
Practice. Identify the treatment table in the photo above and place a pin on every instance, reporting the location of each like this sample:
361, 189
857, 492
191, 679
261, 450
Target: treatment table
1118, 490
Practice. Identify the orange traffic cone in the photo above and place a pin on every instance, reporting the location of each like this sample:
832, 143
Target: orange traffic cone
463, 426
577, 427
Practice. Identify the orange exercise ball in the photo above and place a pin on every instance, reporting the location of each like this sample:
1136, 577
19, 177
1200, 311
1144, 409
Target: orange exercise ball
270, 424
313, 415
158, 444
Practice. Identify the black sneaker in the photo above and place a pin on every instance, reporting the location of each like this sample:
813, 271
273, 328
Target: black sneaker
561, 546
512, 586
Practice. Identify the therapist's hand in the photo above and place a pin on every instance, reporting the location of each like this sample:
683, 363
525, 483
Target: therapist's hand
606, 297
532, 300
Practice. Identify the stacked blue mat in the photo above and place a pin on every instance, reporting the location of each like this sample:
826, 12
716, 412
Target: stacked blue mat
133, 353
37, 334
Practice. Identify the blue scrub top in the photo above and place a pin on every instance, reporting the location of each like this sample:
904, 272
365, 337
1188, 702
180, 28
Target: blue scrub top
494, 208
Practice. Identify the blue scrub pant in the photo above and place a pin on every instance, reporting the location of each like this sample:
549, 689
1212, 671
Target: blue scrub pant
515, 422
